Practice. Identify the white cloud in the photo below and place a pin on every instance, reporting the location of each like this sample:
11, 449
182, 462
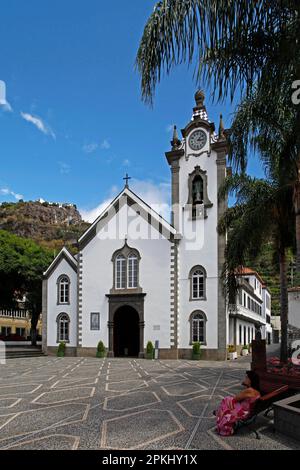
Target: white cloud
64, 168
170, 128
8, 192
39, 124
90, 148
126, 162
105, 144
157, 196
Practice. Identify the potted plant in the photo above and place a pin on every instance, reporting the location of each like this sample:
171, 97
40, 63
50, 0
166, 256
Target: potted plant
196, 355
245, 350
100, 350
149, 350
61, 349
232, 352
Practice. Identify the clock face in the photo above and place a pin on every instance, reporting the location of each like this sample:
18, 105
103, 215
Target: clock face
197, 140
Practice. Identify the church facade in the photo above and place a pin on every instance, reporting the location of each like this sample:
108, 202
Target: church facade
138, 278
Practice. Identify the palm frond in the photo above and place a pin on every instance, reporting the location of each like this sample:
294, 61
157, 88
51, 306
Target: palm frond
230, 41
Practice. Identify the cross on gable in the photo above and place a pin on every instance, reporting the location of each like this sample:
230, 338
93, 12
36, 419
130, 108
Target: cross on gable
127, 178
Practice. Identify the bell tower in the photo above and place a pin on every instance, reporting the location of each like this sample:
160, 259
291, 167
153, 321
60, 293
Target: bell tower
197, 161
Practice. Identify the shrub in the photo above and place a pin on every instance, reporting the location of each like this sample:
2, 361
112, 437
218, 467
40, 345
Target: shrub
245, 346
61, 349
100, 350
149, 350
196, 351
231, 348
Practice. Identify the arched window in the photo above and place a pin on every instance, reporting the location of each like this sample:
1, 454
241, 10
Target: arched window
120, 271
198, 193
132, 271
63, 290
63, 327
126, 269
198, 327
198, 283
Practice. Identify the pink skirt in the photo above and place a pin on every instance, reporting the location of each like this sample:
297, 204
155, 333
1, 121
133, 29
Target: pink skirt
230, 412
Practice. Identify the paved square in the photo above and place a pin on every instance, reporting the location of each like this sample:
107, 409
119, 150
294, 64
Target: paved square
89, 403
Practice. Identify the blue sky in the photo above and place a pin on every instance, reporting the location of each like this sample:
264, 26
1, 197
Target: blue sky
77, 123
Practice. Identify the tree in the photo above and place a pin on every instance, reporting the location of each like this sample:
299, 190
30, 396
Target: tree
233, 45
265, 123
22, 263
262, 212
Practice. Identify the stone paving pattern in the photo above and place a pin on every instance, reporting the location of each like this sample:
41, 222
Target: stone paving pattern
86, 403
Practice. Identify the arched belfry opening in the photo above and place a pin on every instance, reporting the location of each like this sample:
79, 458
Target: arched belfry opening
197, 190
198, 201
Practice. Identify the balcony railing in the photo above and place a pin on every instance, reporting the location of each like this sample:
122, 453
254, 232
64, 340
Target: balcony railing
14, 313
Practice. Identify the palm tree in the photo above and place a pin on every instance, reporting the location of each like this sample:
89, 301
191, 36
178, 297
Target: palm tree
262, 212
266, 123
233, 45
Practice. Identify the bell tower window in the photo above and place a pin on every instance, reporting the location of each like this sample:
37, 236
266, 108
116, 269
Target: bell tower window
197, 192
198, 201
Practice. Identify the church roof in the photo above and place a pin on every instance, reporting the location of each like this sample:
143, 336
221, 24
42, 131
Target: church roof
144, 210
63, 254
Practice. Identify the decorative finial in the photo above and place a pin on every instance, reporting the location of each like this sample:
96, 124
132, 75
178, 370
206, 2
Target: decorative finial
199, 98
175, 142
127, 178
221, 128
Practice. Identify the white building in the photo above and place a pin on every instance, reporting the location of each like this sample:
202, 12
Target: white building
251, 316
294, 316
138, 278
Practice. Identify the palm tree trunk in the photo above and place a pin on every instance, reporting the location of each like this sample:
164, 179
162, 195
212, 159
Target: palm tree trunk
297, 212
284, 306
33, 331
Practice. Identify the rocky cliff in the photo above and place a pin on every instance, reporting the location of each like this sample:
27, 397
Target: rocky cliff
50, 224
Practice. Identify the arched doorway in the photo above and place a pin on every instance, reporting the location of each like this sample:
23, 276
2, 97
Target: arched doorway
126, 332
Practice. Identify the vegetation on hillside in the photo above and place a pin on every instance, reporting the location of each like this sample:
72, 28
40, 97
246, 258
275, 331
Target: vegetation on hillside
267, 266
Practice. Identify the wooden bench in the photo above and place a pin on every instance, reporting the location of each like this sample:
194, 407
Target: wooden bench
263, 404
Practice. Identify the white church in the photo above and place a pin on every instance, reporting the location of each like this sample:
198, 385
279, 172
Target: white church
138, 278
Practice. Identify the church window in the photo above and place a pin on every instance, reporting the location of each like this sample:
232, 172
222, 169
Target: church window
120, 272
198, 327
63, 327
132, 271
126, 269
63, 290
198, 278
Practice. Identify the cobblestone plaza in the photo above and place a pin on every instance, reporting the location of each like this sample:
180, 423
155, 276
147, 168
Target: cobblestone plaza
86, 403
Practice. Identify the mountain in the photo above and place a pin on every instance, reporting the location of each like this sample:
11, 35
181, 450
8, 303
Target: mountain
50, 224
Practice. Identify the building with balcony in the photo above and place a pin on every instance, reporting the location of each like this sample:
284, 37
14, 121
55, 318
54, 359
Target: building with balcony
16, 323
250, 317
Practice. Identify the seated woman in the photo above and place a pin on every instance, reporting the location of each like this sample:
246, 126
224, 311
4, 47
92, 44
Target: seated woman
234, 409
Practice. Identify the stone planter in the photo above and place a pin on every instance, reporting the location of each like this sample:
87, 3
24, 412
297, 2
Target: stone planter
149, 355
232, 355
287, 416
245, 352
